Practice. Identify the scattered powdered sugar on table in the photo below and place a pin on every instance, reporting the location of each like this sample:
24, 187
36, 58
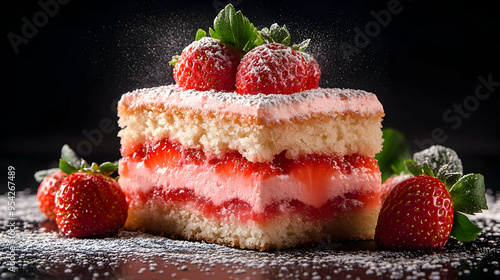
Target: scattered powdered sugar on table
39, 251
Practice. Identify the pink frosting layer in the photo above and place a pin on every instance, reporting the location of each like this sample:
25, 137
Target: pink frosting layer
267, 107
257, 192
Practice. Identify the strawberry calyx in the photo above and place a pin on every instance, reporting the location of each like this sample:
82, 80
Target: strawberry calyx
233, 28
70, 163
68, 155
280, 35
467, 191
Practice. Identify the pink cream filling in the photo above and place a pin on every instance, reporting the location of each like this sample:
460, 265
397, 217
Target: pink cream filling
168, 171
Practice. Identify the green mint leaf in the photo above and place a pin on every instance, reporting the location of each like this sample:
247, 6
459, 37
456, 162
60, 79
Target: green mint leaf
463, 229
70, 157
468, 194
174, 60
302, 46
40, 175
395, 151
234, 28
436, 156
66, 167
200, 34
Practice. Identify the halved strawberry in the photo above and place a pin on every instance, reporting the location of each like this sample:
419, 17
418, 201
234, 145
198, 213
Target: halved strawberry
162, 155
315, 172
234, 163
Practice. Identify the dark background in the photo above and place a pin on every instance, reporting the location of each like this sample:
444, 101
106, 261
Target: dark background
62, 84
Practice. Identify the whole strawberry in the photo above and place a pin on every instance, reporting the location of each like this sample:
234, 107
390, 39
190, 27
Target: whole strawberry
83, 199
47, 192
211, 62
429, 204
90, 205
417, 214
50, 180
314, 71
207, 64
272, 69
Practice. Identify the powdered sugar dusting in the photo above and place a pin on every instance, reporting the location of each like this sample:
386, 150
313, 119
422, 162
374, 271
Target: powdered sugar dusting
40, 251
268, 107
259, 100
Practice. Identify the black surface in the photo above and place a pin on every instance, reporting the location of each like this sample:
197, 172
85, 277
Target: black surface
38, 251
64, 81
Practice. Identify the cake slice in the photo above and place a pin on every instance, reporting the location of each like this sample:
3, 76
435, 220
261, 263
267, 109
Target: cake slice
263, 171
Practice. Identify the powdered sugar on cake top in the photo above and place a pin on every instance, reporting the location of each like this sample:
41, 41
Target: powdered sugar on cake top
268, 107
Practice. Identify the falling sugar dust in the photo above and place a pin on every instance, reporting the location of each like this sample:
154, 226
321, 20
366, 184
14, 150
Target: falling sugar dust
40, 251
135, 43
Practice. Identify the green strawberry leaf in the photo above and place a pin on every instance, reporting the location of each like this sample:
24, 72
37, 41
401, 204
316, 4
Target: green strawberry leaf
200, 34
234, 28
174, 60
40, 175
302, 46
66, 167
412, 167
437, 156
448, 177
84, 164
395, 151
427, 169
107, 168
463, 229
275, 34
68, 155
467, 194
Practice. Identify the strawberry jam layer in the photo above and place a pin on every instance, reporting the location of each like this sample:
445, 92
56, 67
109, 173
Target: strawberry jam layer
217, 184
168, 154
242, 211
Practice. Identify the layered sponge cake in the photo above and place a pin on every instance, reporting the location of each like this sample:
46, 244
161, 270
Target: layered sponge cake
264, 171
